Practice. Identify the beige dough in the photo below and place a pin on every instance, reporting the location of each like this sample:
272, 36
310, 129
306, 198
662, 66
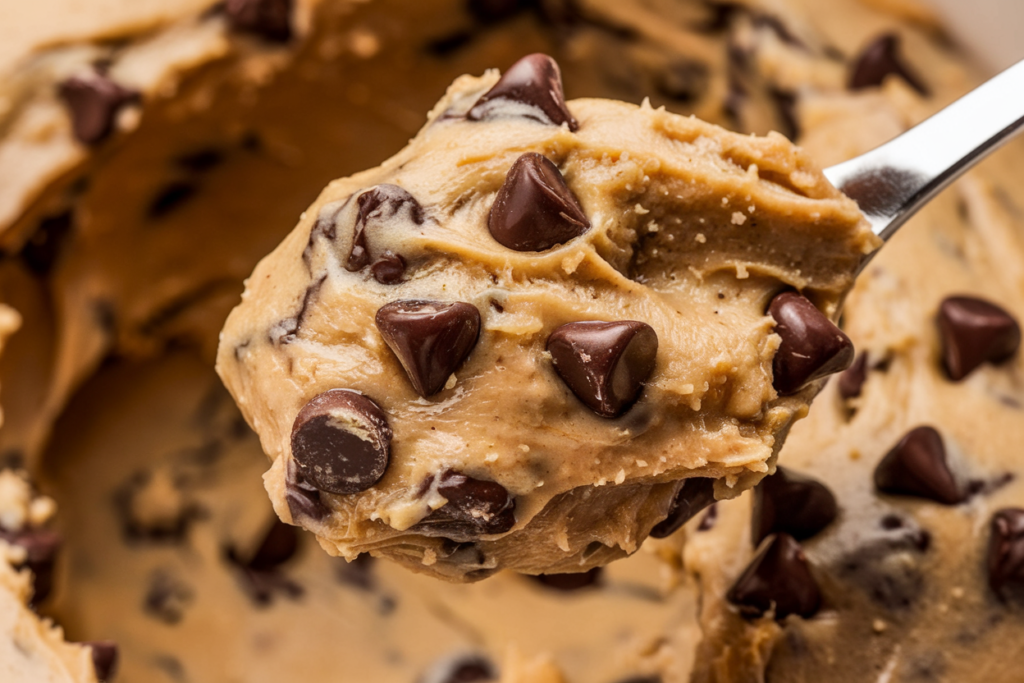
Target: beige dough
145, 565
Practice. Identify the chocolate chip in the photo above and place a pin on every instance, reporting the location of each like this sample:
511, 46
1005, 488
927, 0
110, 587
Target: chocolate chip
851, 381
570, 582
880, 59
270, 19
491, 11
791, 503
695, 494
974, 331
532, 89
377, 205
341, 442
786, 107
684, 80
886, 563
474, 507
41, 548
1006, 553
201, 160
604, 364
534, 209
46, 244
709, 519
465, 669
303, 499
167, 598
104, 659
916, 466
430, 338
778, 578
389, 268
170, 197
94, 102
358, 572
812, 346
278, 546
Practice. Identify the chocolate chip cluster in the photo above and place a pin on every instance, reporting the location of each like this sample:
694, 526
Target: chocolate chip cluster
341, 439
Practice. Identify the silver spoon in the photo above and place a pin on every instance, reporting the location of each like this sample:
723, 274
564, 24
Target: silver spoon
890, 183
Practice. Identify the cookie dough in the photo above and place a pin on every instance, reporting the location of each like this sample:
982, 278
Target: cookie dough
887, 544
173, 551
33, 648
507, 345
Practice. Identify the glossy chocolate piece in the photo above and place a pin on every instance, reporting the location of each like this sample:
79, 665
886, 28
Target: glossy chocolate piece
812, 346
778, 579
696, 494
917, 466
605, 364
341, 442
532, 89
535, 210
791, 503
973, 331
430, 338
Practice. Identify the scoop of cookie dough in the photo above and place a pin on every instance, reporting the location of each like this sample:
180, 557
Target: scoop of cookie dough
510, 344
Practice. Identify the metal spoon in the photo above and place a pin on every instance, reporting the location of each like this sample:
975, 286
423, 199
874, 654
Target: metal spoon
890, 183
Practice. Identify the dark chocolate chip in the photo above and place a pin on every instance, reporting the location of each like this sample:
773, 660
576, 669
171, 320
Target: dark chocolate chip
358, 572
605, 364
533, 83
812, 346
880, 59
707, 523
1006, 553
46, 244
94, 102
474, 507
41, 548
167, 598
201, 160
791, 503
917, 466
303, 498
278, 546
974, 331
448, 44
778, 578
341, 442
491, 11
786, 106
104, 659
430, 338
886, 563
570, 582
378, 205
684, 80
170, 197
465, 669
389, 268
694, 495
535, 210
851, 381
270, 19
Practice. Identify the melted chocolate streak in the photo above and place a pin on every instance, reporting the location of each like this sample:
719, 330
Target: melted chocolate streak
285, 331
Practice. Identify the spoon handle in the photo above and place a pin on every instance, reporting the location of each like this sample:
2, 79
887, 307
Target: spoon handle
891, 182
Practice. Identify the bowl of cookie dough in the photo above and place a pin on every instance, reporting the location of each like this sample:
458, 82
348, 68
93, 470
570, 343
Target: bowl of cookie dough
498, 340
